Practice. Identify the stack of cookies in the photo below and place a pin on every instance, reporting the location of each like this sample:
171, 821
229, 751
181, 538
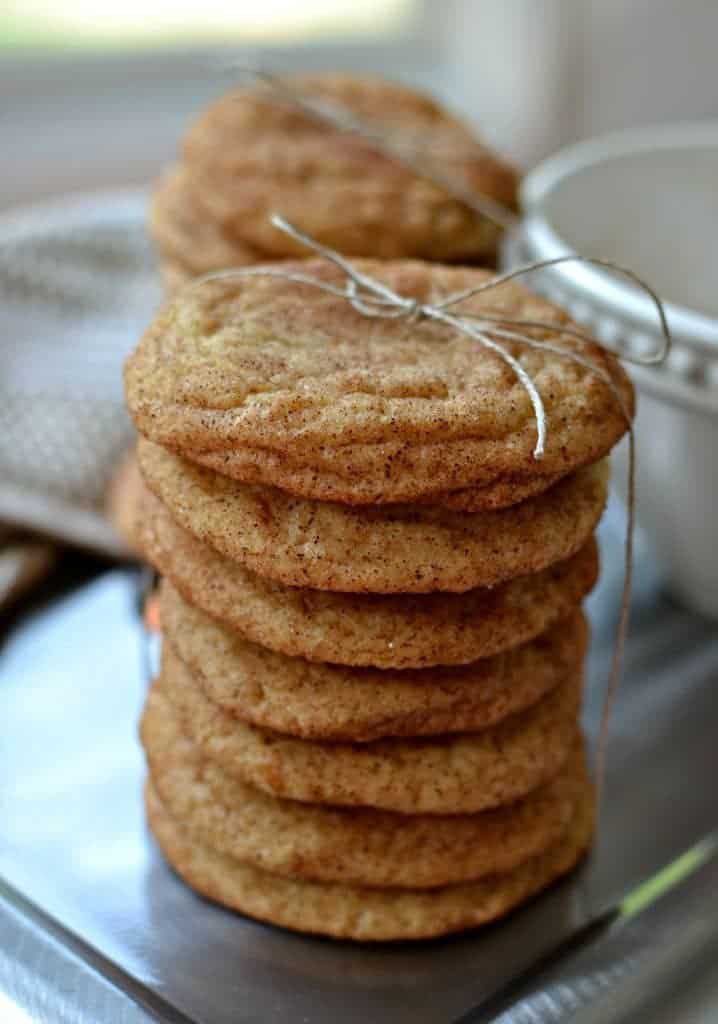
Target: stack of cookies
255, 152
365, 724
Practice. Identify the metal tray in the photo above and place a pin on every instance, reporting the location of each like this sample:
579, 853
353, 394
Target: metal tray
85, 889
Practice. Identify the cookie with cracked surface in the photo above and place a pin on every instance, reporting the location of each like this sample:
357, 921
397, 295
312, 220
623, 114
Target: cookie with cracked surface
184, 235
382, 550
380, 630
357, 912
124, 496
317, 701
175, 275
409, 408
358, 846
302, 479
457, 774
251, 153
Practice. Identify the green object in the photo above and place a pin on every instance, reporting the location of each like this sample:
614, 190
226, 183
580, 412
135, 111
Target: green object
674, 873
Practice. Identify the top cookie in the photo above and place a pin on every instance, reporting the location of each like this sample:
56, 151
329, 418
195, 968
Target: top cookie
253, 153
414, 406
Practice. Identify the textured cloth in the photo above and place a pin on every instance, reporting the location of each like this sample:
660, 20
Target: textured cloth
77, 284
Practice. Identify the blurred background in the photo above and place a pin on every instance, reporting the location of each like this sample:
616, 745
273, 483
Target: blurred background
96, 94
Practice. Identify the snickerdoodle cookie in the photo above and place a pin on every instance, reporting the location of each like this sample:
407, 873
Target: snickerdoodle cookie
175, 275
313, 700
252, 153
184, 234
124, 494
380, 630
304, 480
401, 409
390, 549
359, 846
456, 774
362, 913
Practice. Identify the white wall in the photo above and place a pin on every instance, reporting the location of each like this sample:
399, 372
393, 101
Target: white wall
539, 73
534, 74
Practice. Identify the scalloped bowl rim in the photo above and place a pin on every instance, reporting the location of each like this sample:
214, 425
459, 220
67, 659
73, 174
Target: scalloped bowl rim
624, 302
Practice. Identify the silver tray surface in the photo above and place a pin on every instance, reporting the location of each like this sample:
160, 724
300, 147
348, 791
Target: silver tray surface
73, 839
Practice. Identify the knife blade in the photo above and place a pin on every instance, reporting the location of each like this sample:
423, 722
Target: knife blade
554, 1004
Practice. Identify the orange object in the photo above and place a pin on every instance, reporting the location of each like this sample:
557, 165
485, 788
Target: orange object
152, 613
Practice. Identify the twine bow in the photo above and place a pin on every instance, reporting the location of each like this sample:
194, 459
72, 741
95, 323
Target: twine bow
373, 298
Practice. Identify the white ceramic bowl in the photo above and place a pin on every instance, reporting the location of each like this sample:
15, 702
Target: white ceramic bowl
647, 200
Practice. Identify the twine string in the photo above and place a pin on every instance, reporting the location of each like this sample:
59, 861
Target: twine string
373, 298
410, 152
650, 359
